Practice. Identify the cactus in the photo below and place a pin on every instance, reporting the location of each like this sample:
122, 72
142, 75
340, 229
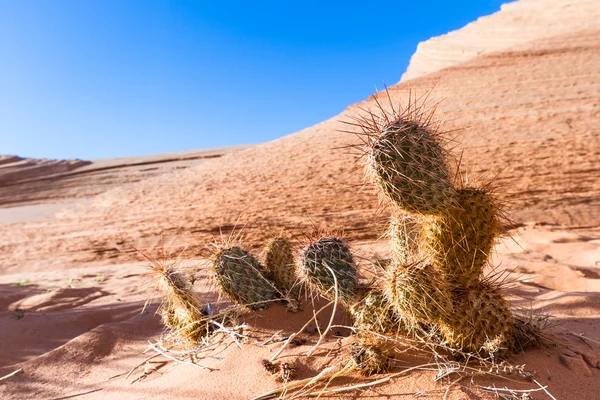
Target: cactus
370, 358
482, 322
403, 233
408, 165
278, 259
325, 258
180, 309
241, 277
460, 239
418, 293
374, 313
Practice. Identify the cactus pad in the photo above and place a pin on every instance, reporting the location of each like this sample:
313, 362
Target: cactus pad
374, 313
180, 309
278, 258
482, 322
370, 359
460, 239
403, 233
408, 165
418, 293
325, 258
240, 276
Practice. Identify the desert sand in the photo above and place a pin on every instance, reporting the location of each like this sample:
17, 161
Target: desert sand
526, 111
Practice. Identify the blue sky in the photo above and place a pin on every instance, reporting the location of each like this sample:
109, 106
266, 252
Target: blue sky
111, 78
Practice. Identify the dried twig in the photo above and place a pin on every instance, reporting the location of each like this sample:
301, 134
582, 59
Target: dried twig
293, 335
12, 374
580, 335
545, 390
372, 383
233, 335
153, 347
327, 373
335, 303
140, 364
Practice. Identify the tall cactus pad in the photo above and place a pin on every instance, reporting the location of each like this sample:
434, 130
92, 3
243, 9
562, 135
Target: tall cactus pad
374, 313
408, 164
460, 239
482, 322
180, 308
241, 277
403, 233
418, 293
325, 258
278, 258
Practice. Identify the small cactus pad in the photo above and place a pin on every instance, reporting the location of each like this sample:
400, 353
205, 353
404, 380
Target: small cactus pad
374, 313
240, 276
418, 293
408, 164
403, 233
325, 258
180, 308
370, 358
278, 258
460, 239
482, 322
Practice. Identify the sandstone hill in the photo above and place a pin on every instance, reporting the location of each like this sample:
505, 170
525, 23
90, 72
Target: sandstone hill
529, 117
517, 23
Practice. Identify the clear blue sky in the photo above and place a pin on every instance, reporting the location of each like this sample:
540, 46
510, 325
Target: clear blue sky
110, 78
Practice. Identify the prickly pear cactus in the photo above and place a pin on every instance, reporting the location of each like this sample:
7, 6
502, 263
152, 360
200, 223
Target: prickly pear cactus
374, 313
482, 322
180, 309
278, 258
418, 293
370, 358
241, 277
326, 258
408, 165
403, 234
459, 239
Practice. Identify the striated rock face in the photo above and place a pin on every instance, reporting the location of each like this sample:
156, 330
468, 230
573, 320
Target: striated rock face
531, 118
14, 169
515, 24
28, 181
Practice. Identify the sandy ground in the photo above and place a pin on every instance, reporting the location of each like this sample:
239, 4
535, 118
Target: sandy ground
73, 283
79, 331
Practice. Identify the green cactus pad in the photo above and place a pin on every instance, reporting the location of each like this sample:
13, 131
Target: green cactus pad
403, 233
408, 165
482, 322
241, 277
374, 313
460, 239
325, 257
278, 258
418, 293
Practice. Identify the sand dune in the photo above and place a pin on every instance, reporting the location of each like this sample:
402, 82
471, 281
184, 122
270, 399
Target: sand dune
73, 283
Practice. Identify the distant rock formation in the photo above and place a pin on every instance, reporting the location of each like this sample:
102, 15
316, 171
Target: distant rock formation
14, 169
515, 24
